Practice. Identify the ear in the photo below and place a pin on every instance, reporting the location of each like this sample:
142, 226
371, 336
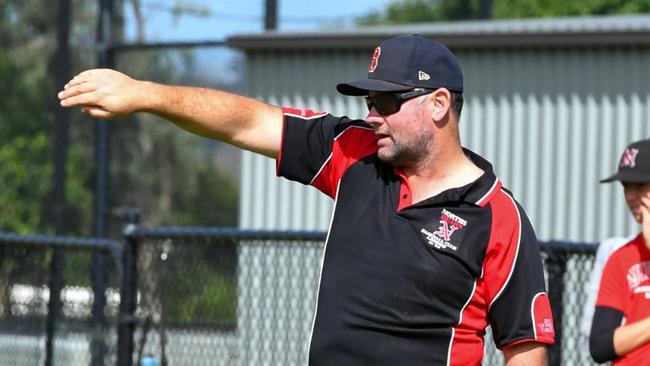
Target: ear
441, 101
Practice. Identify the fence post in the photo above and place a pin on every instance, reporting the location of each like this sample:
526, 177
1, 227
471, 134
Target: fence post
128, 291
101, 218
556, 264
54, 304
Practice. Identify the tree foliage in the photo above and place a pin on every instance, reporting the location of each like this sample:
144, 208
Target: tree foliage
155, 169
408, 11
26, 123
168, 173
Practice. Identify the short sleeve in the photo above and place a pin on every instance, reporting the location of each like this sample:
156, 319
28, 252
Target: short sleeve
317, 148
613, 285
519, 308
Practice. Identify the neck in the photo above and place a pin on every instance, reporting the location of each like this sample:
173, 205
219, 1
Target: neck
446, 167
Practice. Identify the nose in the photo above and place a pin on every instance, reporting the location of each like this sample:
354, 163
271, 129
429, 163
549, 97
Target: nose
374, 119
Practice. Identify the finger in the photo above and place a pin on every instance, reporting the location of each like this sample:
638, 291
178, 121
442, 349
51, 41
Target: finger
85, 99
645, 203
645, 209
77, 81
77, 89
72, 83
83, 77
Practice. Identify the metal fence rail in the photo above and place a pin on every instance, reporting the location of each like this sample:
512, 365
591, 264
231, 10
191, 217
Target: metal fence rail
31, 318
208, 296
275, 275
235, 297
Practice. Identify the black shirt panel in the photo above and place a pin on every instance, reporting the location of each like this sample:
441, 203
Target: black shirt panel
307, 144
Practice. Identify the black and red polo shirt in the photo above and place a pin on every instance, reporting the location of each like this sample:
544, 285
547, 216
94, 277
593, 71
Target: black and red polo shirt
405, 283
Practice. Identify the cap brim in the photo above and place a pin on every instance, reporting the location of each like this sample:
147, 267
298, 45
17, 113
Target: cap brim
362, 87
627, 177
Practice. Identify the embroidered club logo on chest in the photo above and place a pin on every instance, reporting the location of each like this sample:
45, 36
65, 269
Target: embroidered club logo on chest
448, 225
638, 279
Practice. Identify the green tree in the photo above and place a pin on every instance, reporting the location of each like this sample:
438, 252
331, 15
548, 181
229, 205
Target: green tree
408, 11
27, 98
170, 174
411, 11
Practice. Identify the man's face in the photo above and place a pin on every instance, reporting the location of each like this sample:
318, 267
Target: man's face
633, 194
405, 137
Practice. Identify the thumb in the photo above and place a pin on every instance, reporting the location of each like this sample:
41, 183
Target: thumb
97, 113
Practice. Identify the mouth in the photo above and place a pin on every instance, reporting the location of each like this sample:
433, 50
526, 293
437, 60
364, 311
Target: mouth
381, 136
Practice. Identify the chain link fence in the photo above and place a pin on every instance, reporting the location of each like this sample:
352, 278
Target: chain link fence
208, 296
29, 333
273, 278
225, 296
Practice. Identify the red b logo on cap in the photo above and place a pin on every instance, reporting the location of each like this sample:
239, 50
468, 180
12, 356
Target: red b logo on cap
375, 60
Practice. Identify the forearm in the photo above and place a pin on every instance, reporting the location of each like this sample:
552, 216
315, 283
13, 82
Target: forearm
526, 354
241, 121
629, 337
237, 120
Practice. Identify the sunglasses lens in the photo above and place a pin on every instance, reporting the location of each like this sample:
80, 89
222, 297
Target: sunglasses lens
370, 102
384, 104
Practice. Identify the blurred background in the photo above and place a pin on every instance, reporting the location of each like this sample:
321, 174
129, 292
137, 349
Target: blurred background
47, 155
166, 244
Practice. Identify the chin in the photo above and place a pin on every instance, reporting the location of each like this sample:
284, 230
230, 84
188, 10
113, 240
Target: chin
386, 156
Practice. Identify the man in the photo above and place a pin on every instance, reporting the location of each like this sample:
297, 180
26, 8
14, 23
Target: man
621, 325
425, 249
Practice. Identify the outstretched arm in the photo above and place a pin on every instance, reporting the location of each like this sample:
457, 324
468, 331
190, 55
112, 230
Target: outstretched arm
525, 354
240, 121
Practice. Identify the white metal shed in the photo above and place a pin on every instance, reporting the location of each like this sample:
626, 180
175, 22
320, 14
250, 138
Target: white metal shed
551, 102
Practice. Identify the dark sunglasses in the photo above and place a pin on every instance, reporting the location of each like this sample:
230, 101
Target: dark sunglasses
386, 104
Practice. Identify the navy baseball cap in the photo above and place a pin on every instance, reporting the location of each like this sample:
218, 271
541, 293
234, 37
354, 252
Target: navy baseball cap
407, 62
634, 166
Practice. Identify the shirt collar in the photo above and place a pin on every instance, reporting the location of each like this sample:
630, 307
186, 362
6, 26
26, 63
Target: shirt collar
478, 192
486, 186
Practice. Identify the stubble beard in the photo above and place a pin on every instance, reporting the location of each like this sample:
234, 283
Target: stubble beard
402, 154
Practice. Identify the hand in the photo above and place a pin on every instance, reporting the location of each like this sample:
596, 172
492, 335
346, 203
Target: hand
645, 219
102, 93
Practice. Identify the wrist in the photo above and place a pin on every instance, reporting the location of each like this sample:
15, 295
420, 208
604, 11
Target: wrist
150, 97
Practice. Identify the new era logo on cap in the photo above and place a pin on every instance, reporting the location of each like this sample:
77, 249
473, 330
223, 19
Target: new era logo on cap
407, 62
634, 166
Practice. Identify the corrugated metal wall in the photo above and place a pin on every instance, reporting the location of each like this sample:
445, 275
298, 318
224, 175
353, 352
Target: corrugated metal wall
552, 121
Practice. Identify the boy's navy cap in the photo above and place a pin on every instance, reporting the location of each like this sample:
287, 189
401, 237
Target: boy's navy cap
406, 62
634, 166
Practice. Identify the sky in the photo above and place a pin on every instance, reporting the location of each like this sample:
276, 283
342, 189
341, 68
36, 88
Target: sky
246, 16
